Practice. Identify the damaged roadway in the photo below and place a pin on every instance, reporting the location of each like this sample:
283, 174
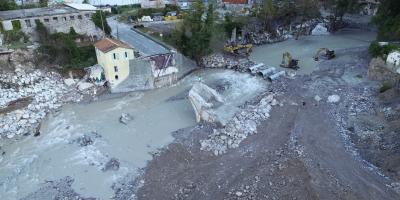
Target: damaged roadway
303, 151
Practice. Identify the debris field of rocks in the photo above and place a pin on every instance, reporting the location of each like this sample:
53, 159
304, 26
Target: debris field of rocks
47, 91
243, 124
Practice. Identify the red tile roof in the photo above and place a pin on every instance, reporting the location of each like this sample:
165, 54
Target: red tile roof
107, 44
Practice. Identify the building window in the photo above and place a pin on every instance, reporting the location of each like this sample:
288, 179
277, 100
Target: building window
87, 15
28, 23
116, 77
115, 69
72, 17
46, 20
126, 54
65, 19
79, 16
115, 56
55, 19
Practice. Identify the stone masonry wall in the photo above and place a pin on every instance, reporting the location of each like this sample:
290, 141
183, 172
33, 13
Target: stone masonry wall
80, 21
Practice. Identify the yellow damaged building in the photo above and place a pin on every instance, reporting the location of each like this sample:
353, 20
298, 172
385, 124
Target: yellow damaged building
114, 56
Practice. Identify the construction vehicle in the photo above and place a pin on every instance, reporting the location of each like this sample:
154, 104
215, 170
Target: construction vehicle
289, 62
326, 54
170, 16
238, 49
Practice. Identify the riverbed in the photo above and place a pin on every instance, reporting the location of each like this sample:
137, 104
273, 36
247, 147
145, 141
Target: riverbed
58, 151
306, 47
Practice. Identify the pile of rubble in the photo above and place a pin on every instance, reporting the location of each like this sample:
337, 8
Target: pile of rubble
258, 36
218, 60
267, 38
239, 127
243, 65
46, 91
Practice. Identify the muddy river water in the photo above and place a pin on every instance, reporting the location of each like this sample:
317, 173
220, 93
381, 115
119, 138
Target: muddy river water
56, 153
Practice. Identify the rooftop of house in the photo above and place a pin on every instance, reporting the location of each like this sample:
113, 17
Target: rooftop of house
35, 12
160, 60
81, 6
46, 11
108, 44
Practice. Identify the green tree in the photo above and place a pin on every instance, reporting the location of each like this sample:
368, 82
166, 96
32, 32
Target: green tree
306, 10
268, 13
8, 5
62, 49
388, 20
231, 22
43, 3
99, 19
339, 8
194, 36
86, 2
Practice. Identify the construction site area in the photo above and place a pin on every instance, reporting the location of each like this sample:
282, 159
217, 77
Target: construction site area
303, 112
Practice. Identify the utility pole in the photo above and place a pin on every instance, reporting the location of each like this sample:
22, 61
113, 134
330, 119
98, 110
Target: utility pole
102, 22
117, 32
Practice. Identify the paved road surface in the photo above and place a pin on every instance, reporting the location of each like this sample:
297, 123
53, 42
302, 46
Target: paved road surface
149, 47
138, 41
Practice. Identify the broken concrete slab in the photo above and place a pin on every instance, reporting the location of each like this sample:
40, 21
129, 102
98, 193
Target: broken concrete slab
320, 29
84, 86
69, 82
204, 101
125, 118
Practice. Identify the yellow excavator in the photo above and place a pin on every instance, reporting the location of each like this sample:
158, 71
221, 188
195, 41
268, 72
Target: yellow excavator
326, 54
238, 49
289, 62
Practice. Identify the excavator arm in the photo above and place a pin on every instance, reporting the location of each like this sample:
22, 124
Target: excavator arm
289, 62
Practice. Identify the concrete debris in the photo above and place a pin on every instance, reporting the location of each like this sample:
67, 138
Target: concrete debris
320, 29
239, 127
220, 61
333, 98
125, 118
84, 86
317, 98
112, 164
69, 82
204, 100
47, 92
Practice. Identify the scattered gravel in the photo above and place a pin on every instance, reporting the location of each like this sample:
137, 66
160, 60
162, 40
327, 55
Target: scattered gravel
237, 129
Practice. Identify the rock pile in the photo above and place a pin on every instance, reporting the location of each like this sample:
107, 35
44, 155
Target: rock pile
239, 127
320, 29
218, 60
47, 92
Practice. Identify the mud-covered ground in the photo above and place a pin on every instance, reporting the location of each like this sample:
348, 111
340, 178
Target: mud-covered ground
309, 148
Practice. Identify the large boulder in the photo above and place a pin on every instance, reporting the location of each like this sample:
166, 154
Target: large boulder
320, 29
204, 101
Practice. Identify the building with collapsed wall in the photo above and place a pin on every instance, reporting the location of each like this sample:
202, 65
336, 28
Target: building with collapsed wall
60, 18
124, 72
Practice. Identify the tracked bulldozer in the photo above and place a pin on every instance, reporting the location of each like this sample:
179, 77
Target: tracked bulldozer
289, 62
325, 54
239, 49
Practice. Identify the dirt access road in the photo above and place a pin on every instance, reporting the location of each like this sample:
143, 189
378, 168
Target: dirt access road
301, 152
